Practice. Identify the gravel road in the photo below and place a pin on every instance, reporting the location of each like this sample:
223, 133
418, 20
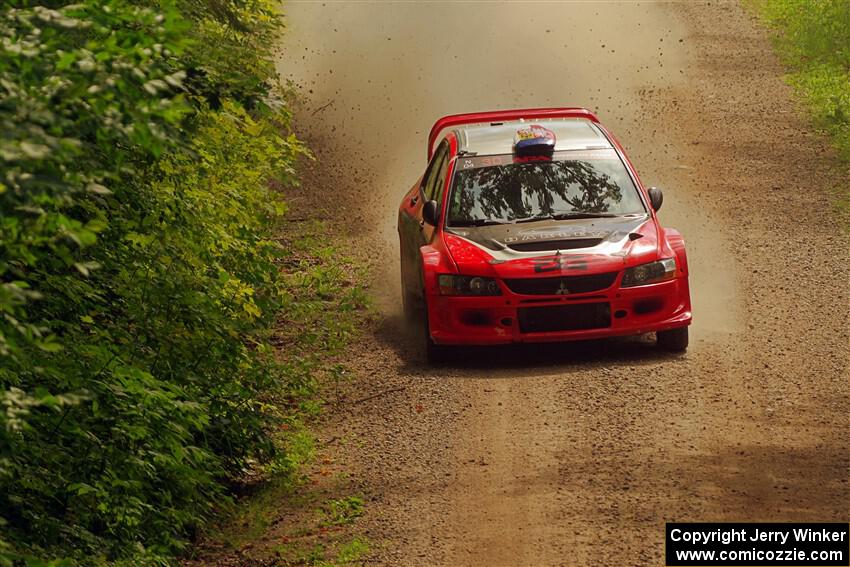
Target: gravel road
577, 454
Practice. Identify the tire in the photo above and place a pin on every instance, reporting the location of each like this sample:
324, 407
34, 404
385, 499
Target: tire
434, 353
674, 340
409, 304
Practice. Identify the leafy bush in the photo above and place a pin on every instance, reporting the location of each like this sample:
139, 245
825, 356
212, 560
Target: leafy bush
342, 511
815, 40
144, 145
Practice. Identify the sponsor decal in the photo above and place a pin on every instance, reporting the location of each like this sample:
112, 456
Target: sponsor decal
560, 235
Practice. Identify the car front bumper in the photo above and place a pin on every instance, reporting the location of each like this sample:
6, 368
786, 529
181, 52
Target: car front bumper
513, 318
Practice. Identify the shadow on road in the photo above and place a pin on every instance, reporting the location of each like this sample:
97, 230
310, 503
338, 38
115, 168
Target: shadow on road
407, 340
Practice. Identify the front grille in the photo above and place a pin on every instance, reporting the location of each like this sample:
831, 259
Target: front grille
576, 317
543, 245
562, 285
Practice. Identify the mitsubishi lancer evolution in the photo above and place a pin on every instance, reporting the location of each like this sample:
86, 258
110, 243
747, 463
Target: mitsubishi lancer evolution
533, 226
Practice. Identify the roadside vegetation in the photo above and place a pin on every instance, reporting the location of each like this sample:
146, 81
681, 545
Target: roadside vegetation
814, 40
162, 328
320, 527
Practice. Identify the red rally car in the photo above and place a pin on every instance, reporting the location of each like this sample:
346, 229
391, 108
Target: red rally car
533, 226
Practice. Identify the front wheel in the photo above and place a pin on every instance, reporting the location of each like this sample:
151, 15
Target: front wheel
409, 304
434, 353
674, 340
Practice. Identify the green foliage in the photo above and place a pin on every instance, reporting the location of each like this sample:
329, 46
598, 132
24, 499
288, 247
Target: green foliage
352, 551
815, 41
232, 33
144, 147
342, 511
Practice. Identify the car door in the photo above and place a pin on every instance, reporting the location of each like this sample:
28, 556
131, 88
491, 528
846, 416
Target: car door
413, 231
433, 191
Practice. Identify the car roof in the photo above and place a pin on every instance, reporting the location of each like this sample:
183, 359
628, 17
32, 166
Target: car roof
498, 137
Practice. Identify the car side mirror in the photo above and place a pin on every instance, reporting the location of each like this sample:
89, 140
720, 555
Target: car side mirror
429, 213
656, 197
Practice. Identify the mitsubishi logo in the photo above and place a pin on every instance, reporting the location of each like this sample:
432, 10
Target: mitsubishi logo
562, 289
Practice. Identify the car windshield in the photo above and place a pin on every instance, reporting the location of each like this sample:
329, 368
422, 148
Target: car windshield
495, 189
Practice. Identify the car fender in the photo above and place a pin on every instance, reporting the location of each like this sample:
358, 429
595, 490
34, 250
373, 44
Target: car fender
435, 260
676, 242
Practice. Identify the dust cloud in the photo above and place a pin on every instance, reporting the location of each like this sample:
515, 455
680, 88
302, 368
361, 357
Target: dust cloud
373, 77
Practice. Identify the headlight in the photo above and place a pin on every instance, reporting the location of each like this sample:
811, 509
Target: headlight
654, 272
451, 284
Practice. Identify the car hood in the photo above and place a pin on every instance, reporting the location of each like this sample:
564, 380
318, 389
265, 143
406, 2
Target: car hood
554, 246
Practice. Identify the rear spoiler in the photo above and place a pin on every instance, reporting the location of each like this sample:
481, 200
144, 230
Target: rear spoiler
503, 116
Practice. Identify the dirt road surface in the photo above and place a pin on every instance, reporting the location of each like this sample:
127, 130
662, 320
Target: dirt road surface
577, 454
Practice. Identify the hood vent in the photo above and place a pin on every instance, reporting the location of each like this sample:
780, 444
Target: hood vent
546, 245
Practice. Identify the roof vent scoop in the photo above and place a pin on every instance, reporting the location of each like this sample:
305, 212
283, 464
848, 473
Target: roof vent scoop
534, 140
634, 236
